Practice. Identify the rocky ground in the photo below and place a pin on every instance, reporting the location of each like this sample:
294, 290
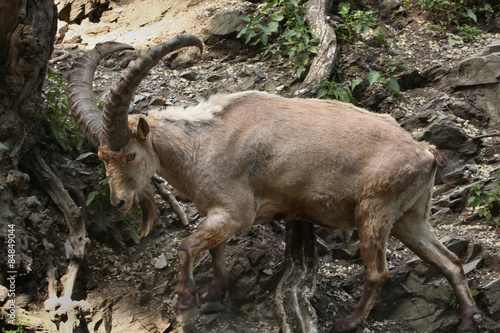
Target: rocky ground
134, 291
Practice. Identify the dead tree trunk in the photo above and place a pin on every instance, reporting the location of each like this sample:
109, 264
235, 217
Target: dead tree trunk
322, 65
27, 32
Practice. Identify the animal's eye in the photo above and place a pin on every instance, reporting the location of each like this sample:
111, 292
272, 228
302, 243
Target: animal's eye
130, 157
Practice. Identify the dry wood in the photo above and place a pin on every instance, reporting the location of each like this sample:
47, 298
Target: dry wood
485, 136
323, 64
170, 197
298, 283
63, 308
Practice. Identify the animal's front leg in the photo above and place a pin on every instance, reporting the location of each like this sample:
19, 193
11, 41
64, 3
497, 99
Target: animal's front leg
212, 234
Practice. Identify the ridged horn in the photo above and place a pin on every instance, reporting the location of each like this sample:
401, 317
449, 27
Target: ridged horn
80, 89
116, 132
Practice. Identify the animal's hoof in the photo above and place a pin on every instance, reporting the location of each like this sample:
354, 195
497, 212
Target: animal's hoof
211, 307
186, 307
185, 316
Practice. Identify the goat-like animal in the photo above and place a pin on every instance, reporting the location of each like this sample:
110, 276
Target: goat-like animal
251, 157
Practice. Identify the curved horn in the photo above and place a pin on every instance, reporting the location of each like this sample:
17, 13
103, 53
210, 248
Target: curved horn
115, 116
80, 92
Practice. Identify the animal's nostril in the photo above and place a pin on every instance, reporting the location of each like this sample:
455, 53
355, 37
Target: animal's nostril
119, 203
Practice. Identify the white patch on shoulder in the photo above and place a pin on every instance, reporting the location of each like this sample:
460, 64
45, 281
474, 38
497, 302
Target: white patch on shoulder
201, 113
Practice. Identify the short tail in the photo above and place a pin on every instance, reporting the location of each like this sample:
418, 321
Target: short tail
441, 163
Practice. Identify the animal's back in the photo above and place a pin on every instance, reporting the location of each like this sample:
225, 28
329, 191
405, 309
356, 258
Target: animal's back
307, 158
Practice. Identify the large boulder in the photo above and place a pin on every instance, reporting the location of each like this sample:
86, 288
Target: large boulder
72, 11
447, 136
477, 79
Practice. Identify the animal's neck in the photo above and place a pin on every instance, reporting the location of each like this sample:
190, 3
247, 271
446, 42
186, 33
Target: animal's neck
175, 146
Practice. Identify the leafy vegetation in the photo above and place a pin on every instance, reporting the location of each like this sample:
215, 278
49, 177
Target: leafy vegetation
63, 129
355, 21
487, 203
344, 92
282, 22
338, 91
459, 14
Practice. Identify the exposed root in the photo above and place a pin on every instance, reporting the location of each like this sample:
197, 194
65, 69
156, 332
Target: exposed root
64, 312
168, 195
298, 283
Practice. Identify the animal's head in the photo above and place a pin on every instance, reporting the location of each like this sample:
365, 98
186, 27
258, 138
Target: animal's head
124, 144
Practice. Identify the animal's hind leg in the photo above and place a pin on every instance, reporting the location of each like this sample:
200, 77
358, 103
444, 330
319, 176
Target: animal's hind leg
211, 302
373, 229
414, 230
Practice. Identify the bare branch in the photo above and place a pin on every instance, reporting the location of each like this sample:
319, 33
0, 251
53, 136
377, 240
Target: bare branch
170, 197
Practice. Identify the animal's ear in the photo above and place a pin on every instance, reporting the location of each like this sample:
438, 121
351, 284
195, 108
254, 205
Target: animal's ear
142, 128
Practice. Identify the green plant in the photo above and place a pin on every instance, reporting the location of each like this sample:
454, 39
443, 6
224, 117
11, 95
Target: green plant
338, 91
2, 146
22, 319
100, 208
487, 203
355, 21
459, 13
282, 21
469, 34
343, 91
64, 130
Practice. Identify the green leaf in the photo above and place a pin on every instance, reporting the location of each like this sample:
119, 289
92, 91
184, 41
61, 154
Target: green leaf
278, 17
249, 36
2, 146
480, 212
344, 8
355, 83
91, 197
288, 34
394, 84
322, 92
273, 26
245, 18
85, 155
472, 15
134, 235
269, 5
373, 77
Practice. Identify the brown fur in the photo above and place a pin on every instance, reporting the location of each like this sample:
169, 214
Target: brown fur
254, 156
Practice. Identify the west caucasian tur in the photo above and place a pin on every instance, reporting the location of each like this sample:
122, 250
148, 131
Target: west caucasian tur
251, 157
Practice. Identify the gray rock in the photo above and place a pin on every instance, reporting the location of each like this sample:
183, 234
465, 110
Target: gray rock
491, 296
477, 79
493, 262
471, 266
188, 75
443, 133
4, 292
161, 262
260, 74
225, 23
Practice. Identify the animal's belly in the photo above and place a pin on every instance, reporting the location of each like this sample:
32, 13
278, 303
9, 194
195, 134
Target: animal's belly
331, 215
